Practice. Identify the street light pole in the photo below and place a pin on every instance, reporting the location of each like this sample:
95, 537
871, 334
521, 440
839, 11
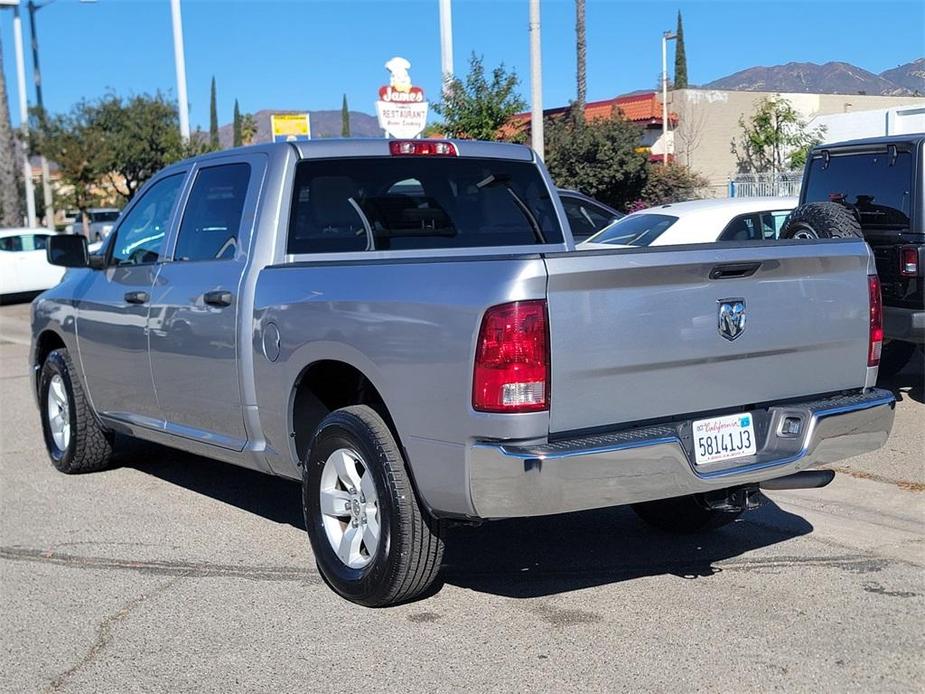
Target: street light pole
666, 37
536, 80
180, 61
37, 77
446, 44
23, 114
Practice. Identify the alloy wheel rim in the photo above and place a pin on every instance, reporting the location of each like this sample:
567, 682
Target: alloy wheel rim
59, 413
350, 508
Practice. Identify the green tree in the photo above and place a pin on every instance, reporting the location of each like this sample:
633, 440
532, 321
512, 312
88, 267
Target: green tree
141, 135
671, 183
213, 117
248, 128
480, 107
680, 57
774, 138
237, 139
344, 119
599, 158
75, 142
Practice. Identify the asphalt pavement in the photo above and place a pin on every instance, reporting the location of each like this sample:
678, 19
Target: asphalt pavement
174, 573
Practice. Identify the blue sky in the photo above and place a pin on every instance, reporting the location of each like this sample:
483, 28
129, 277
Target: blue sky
306, 54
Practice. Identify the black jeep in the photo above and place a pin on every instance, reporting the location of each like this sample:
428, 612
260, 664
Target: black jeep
874, 188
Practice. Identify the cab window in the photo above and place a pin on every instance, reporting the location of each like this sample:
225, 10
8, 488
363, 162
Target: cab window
212, 219
140, 236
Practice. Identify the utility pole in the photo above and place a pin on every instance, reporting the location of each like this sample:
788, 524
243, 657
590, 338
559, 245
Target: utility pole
446, 44
536, 81
37, 77
666, 37
23, 114
180, 61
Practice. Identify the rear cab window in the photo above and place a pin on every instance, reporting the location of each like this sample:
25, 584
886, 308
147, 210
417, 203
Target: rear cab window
406, 203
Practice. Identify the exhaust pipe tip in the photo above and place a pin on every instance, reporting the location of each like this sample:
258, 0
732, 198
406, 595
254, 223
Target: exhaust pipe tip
808, 479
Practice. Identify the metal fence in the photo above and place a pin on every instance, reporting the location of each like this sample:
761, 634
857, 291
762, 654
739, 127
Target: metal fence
765, 185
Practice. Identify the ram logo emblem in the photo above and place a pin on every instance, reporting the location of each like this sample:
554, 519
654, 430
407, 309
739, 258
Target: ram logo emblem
731, 318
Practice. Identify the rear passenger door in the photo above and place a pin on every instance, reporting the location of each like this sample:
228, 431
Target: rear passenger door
193, 324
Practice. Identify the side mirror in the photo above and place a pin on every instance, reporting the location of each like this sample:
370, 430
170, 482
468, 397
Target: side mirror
67, 250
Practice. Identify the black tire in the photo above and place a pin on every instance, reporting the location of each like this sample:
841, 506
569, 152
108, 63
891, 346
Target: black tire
410, 547
894, 356
89, 447
821, 220
683, 514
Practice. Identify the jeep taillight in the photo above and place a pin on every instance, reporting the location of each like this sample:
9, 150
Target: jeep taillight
512, 359
909, 261
876, 321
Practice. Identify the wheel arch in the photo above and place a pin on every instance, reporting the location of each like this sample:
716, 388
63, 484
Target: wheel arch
46, 342
325, 385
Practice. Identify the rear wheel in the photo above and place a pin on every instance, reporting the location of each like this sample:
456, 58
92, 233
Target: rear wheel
683, 514
821, 220
74, 439
372, 541
894, 356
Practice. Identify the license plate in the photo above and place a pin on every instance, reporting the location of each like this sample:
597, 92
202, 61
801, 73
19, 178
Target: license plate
724, 438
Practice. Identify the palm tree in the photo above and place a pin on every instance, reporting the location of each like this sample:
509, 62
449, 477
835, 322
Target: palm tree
10, 204
581, 45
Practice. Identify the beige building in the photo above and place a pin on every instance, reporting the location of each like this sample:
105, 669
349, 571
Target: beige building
708, 121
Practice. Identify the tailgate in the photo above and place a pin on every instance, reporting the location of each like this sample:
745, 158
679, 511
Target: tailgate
635, 334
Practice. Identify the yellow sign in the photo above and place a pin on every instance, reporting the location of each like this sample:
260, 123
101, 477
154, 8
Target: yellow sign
290, 127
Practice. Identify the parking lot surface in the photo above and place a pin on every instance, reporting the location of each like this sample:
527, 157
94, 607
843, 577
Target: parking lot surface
175, 573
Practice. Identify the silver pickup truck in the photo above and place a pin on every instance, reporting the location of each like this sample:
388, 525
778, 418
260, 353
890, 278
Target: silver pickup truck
407, 329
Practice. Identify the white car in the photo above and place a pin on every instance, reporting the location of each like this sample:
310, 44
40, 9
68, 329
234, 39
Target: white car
24, 268
697, 221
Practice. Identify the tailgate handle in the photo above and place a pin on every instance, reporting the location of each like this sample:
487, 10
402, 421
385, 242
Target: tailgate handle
733, 271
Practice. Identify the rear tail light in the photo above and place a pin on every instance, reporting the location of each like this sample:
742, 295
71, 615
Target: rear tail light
431, 148
876, 321
909, 261
512, 359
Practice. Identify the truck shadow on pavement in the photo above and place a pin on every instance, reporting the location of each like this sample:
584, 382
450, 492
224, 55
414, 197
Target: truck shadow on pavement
910, 382
519, 558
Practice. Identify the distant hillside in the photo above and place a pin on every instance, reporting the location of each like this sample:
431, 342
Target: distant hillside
830, 78
324, 124
911, 76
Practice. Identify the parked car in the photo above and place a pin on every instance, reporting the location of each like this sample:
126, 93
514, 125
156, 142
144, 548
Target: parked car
24, 268
875, 189
698, 221
586, 216
101, 221
405, 328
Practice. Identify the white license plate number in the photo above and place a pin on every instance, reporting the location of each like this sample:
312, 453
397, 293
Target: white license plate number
724, 438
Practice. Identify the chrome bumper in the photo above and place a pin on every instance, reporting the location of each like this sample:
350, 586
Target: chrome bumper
655, 462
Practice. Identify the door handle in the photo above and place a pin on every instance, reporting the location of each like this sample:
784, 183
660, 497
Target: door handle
137, 297
219, 297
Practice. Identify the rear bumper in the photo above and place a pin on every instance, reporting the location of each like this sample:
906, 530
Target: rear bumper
655, 463
906, 324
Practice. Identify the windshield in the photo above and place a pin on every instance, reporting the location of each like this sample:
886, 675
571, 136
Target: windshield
877, 184
634, 230
401, 203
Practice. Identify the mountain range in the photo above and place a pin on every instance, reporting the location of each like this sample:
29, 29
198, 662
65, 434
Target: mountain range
828, 78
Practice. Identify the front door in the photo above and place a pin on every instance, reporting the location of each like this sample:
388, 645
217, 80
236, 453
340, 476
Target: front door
194, 309
112, 311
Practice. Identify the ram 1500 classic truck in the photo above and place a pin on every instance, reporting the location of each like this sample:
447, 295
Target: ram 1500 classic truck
405, 327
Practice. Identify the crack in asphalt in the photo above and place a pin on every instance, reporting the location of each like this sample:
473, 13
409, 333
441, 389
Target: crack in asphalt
160, 567
104, 635
852, 563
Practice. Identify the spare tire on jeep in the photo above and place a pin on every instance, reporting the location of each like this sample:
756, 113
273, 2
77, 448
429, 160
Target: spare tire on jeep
821, 220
